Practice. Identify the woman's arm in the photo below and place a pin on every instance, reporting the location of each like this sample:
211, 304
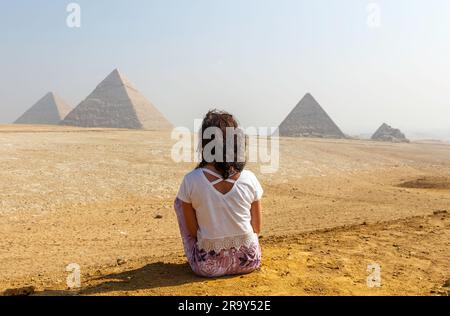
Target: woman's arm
256, 216
190, 218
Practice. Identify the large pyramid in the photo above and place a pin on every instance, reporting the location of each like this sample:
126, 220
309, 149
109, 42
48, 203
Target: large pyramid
115, 103
308, 119
49, 110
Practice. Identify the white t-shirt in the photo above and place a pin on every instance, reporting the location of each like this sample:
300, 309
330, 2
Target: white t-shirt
224, 220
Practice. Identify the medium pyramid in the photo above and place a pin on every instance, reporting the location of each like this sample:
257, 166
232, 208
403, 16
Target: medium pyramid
115, 103
309, 119
49, 110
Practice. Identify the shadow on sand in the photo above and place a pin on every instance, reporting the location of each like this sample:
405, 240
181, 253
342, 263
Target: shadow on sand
154, 275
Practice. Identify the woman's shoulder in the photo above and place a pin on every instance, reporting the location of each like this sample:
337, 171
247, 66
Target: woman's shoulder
193, 175
248, 175
250, 181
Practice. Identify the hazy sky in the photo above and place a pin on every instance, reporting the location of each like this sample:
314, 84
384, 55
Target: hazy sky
255, 58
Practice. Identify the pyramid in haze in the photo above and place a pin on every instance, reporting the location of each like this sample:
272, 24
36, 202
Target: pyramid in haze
115, 103
386, 133
49, 110
309, 119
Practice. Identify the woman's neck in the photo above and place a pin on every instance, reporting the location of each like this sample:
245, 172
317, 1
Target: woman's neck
211, 167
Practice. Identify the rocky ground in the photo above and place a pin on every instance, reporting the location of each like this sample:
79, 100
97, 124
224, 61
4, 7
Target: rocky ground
103, 199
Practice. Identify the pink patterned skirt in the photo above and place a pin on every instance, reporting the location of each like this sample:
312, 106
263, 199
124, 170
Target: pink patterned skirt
211, 264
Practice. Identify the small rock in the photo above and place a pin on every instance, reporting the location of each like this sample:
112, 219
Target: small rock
158, 216
121, 261
447, 283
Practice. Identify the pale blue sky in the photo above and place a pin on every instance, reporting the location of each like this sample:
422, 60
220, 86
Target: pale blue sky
255, 58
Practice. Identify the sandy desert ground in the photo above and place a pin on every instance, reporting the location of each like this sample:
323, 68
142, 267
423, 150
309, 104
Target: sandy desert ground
103, 199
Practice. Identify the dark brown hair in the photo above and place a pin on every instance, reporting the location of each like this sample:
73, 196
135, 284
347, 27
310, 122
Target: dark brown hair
223, 121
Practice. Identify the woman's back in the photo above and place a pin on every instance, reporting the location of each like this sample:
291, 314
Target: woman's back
224, 219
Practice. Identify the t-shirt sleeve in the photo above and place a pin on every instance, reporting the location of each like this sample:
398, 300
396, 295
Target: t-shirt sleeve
258, 190
184, 193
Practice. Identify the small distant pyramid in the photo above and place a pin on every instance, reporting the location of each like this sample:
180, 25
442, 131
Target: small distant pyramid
388, 134
49, 110
309, 119
115, 103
